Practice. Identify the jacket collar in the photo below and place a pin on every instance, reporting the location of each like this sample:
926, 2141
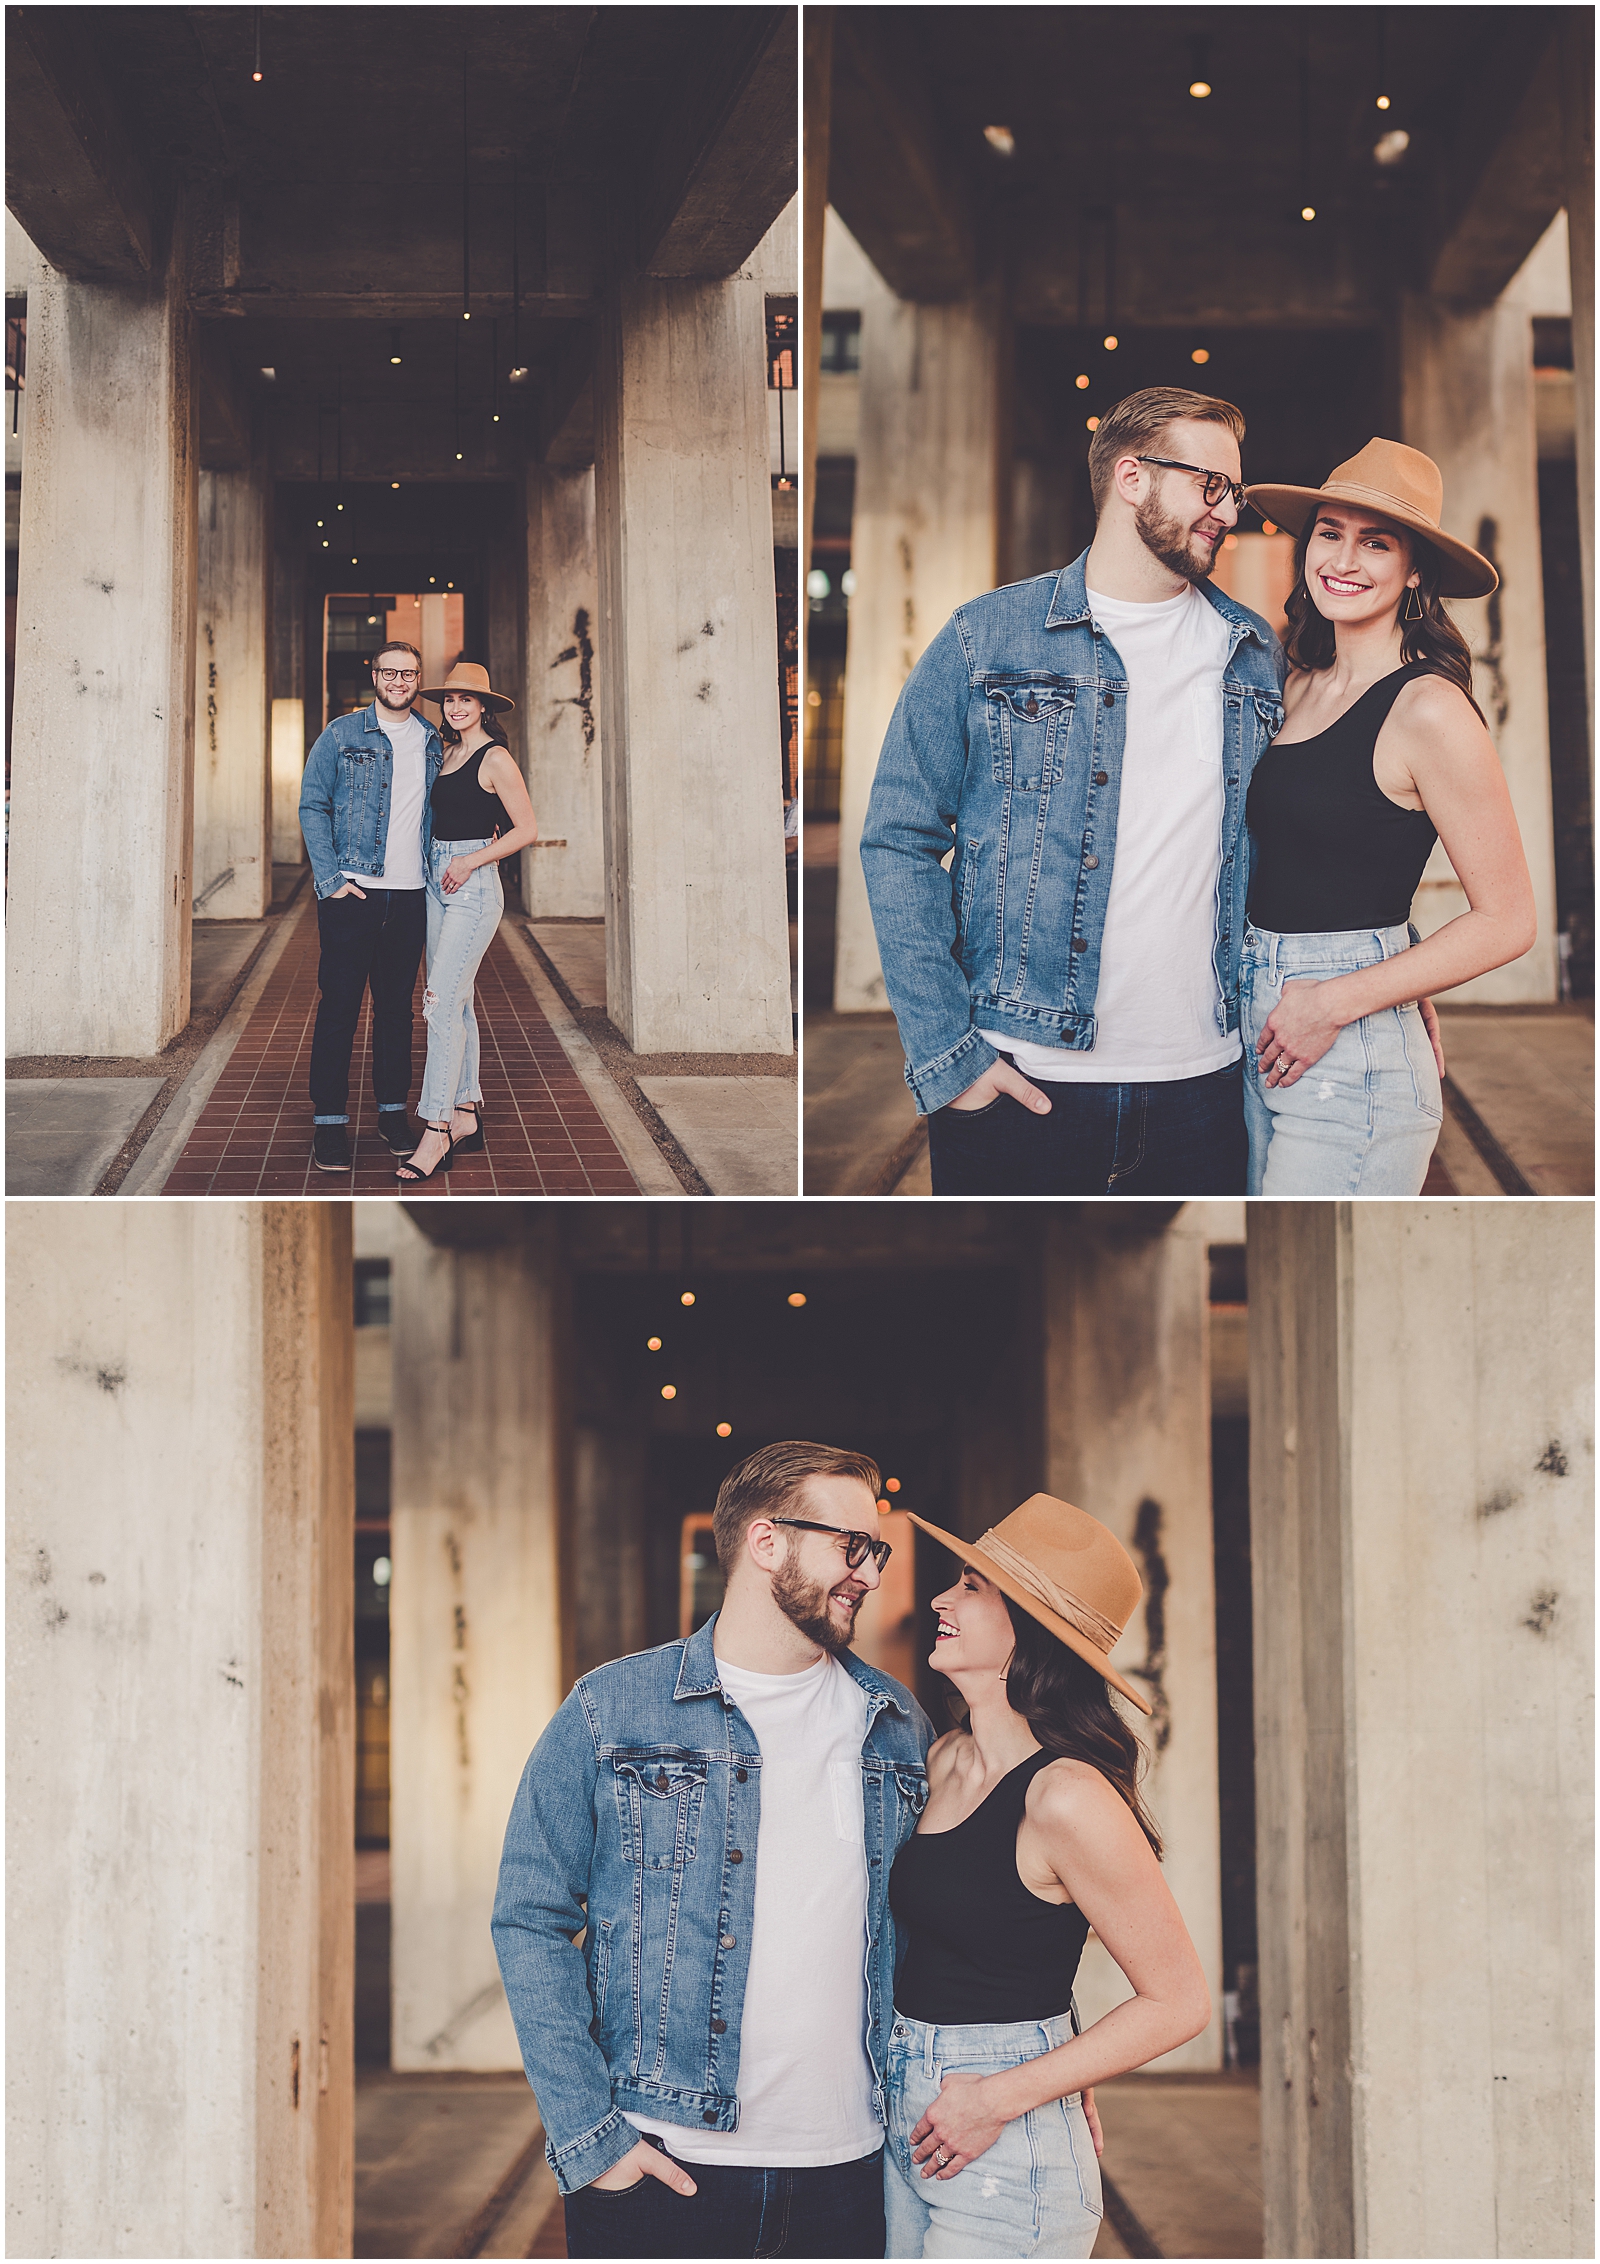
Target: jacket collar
698, 1677
369, 722
1069, 604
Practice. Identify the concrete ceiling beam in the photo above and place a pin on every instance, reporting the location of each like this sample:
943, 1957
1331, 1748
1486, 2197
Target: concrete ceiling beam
1505, 179
222, 416
74, 177
566, 400
893, 176
725, 165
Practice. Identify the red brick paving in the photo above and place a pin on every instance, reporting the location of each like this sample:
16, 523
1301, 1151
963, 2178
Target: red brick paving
543, 1133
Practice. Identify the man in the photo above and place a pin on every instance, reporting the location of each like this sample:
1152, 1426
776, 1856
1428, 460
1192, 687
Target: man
717, 1819
364, 815
1067, 993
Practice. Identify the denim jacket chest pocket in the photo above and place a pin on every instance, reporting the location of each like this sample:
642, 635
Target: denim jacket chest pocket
1268, 717
912, 1786
1028, 718
660, 1801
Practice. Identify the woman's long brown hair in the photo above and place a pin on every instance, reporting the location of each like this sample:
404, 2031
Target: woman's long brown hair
1435, 638
1068, 1707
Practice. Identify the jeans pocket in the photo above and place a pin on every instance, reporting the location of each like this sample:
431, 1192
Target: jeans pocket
972, 1115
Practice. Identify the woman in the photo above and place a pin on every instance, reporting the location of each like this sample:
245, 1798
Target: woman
1034, 1832
479, 812
1383, 751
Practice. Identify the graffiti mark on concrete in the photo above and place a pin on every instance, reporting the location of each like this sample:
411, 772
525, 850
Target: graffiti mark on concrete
1542, 1611
1157, 1579
580, 650
1553, 1460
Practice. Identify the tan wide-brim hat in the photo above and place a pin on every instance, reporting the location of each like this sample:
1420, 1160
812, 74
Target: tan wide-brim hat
1066, 1570
469, 676
1400, 484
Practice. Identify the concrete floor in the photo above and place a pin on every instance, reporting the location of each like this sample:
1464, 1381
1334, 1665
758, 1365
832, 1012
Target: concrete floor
1525, 1075
740, 1133
452, 2166
64, 1133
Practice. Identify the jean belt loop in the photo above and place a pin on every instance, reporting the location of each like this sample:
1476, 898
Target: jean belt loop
1272, 957
930, 2049
1382, 935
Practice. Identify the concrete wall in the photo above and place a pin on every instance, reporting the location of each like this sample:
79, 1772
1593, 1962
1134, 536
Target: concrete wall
1467, 398
563, 875
926, 534
97, 936
697, 950
1422, 1519
1128, 1438
179, 1731
233, 820
479, 1642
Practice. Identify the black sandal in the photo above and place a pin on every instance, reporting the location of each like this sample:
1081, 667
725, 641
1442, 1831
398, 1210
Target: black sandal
409, 1174
472, 1145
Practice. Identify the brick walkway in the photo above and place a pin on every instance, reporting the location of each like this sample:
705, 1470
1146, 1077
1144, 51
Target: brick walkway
544, 1134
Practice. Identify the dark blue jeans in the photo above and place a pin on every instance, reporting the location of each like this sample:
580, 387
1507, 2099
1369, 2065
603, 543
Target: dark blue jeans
1186, 1138
368, 942
836, 2211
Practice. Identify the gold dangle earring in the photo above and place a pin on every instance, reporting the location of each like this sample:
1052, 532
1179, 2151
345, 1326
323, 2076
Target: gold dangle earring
1413, 598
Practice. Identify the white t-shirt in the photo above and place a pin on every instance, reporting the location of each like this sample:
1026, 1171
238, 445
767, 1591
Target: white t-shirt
402, 857
805, 2081
1155, 1005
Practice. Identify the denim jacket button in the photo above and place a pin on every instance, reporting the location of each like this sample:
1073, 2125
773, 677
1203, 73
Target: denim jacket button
727, 1940
719, 2028
709, 2115
741, 1776
1102, 778
736, 1856
661, 1780
1079, 943
1111, 699
1091, 864
1030, 706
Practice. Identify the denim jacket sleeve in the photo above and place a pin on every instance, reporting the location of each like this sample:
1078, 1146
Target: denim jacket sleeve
316, 813
910, 829
539, 1907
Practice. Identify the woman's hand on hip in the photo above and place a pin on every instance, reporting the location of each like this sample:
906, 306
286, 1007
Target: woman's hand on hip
1092, 2117
456, 874
957, 2128
1299, 1031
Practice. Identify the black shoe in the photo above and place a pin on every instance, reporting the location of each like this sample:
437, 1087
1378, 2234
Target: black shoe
397, 1131
472, 1145
408, 1174
330, 1147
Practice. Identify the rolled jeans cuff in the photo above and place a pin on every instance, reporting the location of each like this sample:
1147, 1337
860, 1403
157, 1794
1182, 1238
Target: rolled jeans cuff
330, 1120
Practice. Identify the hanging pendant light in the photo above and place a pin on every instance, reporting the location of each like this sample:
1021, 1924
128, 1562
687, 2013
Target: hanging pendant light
256, 73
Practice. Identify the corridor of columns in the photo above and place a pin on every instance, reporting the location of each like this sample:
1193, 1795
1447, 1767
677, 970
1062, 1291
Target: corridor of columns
476, 331
1347, 221
304, 1592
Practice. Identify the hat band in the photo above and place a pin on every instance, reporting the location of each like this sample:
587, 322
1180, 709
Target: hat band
1396, 504
1102, 1633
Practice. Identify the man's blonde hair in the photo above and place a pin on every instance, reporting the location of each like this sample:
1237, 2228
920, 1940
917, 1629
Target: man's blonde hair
1138, 426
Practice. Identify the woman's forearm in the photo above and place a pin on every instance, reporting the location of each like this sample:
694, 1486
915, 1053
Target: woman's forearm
1468, 945
520, 837
1129, 2036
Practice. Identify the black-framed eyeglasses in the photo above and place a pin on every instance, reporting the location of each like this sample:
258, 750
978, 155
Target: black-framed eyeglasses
1213, 485
397, 675
857, 1546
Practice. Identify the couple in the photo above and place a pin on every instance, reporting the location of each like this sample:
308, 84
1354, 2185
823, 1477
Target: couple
1180, 882
790, 1976
404, 826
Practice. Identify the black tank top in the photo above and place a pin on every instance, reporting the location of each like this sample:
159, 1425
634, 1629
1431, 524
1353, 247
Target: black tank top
981, 1946
465, 810
1331, 851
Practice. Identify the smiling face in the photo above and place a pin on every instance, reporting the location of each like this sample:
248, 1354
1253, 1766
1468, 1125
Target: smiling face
813, 1586
975, 1634
1358, 566
461, 711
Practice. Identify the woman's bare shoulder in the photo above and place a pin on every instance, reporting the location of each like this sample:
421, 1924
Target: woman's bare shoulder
1073, 1795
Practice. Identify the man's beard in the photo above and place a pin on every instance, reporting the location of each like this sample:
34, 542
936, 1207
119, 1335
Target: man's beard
1168, 539
805, 1602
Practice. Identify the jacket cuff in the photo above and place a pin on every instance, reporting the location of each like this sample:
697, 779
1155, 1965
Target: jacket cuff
331, 888
590, 2156
948, 1075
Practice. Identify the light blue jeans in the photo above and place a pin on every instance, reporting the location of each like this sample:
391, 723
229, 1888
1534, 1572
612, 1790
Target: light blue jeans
1364, 1119
1037, 2190
460, 930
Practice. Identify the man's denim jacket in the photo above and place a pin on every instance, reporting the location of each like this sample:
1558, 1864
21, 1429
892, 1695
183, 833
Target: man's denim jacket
1007, 740
635, 1828
344, 798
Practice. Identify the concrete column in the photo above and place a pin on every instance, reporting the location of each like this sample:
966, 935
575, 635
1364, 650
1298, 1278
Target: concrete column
100, 875
1467, 399
1577, 89
288, 769
180, 1864
1421, 1412
1128, 1438
697, 938
564, 875
479, 1637
925, 537
232, 771
817, 99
